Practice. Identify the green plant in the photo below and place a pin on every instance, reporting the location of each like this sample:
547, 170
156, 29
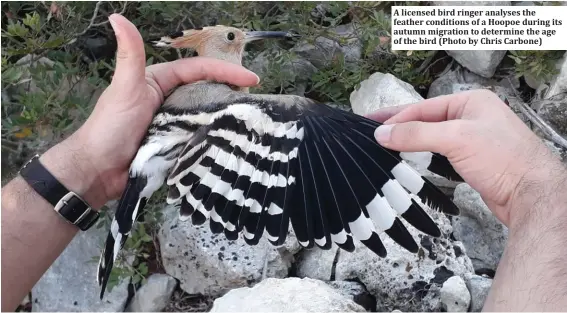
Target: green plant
539, 64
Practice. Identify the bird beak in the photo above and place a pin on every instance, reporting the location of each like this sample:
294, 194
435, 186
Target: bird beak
255, 35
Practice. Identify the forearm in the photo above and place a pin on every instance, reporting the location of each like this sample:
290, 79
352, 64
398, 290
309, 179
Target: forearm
33, 234
532, 273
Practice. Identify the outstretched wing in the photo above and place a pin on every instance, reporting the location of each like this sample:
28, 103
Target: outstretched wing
259, 165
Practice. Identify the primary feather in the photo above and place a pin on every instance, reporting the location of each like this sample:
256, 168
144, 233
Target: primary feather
253, 164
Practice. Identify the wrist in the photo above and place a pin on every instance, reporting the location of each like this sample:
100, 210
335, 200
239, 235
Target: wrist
541, 196
68, 162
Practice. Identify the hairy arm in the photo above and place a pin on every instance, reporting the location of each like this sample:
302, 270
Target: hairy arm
532, 273
33, 234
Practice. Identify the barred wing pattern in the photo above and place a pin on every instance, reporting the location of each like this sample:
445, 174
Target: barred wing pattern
256, 167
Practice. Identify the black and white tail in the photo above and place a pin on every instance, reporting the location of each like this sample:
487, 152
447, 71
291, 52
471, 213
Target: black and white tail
129, 208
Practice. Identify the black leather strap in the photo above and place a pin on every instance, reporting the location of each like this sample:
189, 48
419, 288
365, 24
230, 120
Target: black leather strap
66, 203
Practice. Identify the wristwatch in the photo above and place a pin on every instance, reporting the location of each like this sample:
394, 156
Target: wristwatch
67, 204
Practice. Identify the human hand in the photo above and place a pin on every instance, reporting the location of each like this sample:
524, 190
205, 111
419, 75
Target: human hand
94, 161
487, 144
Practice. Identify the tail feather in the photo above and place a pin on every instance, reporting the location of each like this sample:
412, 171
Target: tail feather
129, 208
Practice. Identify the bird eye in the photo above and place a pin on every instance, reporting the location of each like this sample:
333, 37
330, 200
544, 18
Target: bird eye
230, 36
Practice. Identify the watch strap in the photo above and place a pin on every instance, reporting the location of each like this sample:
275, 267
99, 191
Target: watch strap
66, 203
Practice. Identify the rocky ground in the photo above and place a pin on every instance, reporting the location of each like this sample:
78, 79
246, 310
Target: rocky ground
205, 272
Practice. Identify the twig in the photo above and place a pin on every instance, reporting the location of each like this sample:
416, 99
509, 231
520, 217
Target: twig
547, 130
93, 18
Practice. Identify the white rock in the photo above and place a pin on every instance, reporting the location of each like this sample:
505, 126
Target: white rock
70, 283
316, 263
554, 112
483, 235
452, 81
481, 62
355, 291
454, 295
382, 90
154, 295
403, 280
210, 264
479, 287
286, 295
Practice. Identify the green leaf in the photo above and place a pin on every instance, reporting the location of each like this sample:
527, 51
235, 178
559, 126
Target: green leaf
17, 30
32, 21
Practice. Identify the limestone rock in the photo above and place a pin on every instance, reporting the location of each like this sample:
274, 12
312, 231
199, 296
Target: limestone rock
316, 263
154, 295
382, 90
286, 295
479, 287
403, 280
355, 291
481, 62
453, 81
558, 84
554, 111
69, 285
483, 235
209, 264
455, 296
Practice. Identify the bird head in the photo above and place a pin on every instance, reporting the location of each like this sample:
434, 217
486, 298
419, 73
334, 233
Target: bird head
219, 42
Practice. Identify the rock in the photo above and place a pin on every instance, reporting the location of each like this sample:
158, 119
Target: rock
154, 295
382, 90
286, 295
323, 51
481, 62
355, 291
483, 235
320, 11
70, 283
403, 280
479, 287
554, 111
317, 263
455, 296
209, 264
452, 81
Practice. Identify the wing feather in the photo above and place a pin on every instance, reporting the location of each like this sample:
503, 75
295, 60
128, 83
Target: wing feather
256, 168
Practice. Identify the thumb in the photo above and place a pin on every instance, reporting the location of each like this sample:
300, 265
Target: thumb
416, 136
130, 54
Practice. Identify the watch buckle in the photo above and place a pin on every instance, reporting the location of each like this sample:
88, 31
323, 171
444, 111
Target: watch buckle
64, 201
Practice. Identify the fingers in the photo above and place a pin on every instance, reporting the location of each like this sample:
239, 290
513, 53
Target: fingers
183, 71
383, 114
415, 136
436, 109
130, 55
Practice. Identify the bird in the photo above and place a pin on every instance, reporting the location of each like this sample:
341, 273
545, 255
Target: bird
253, 165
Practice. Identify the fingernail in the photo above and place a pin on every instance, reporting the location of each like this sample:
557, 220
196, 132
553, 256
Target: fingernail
114, 26
383, 133
257, 79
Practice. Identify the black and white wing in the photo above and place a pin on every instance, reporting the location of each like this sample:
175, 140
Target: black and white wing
260, 165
